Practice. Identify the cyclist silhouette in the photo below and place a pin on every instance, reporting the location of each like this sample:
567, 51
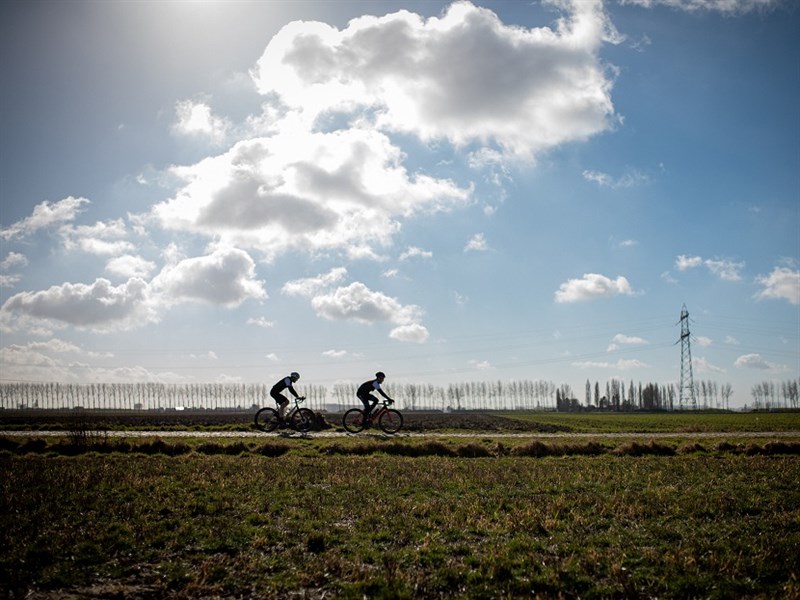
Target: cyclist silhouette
284, 384
365, 390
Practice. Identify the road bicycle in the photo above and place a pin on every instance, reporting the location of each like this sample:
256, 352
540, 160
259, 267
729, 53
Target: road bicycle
388, 419
299, 419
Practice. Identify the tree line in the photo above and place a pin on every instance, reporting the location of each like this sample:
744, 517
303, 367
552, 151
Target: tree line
612, 395
649, 396
769, 395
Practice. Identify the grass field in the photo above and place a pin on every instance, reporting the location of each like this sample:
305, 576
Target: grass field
403, 518
672, 422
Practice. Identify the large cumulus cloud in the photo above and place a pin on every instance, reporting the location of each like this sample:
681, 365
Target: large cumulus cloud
464, 77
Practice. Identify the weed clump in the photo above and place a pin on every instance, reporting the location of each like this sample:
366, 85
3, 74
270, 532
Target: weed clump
639, 449
473, 451
539, 449
536, 449
159, 446
694, 448
728, 447
782, 448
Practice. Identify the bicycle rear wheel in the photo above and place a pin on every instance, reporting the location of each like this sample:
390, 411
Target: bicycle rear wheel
267, 419
390, 421
303, 419
353, 420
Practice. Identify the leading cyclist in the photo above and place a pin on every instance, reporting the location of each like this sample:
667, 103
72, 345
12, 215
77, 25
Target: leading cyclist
365, 390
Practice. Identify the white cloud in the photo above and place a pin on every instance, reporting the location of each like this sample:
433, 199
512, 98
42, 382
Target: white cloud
592, 286
477, 243
59, 346
261, 322
311, 286
782, 283
130, 266
684, 262
668, 278
196, 119
225, 277
357, 302
702, 365
45, 215
727, 7
727, 270
465, 76
99, 306
482, 365
43, 361
630, 179
9, 280
625, 340
305, 191
621, 364
414, 252
13, 260
703, 341
752, 361
413, 332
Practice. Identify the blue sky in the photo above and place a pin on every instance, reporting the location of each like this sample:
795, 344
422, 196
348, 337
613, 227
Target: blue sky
228, 191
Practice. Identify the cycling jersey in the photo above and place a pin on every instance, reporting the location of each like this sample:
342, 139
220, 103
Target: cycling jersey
285, 383
368, 387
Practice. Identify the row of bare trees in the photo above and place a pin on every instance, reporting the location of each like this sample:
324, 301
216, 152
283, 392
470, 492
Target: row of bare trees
650, 396
473, 395
769, 395
144, 395
483, 395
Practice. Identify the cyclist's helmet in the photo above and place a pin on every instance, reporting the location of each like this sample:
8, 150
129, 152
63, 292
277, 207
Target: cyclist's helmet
295, 375
380, 375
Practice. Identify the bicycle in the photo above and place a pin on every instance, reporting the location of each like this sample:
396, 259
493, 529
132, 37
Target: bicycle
388, 419
300, 419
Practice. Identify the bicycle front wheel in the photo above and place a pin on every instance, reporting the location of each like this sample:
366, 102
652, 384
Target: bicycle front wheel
353, 420
303, 419
267, 419
390, 421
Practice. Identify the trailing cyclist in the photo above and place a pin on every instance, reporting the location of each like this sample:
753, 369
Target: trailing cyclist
365, 390
284, 384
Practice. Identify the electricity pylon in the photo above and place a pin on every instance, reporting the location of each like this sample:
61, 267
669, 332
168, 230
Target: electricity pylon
687, 379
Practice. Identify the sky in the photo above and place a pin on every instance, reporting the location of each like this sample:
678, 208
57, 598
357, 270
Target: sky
200, 191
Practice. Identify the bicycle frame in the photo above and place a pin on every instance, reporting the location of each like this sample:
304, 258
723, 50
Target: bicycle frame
299, 418
295, 408
376, 414
388, 419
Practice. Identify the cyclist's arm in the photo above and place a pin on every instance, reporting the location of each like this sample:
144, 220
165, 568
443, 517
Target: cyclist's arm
382, 393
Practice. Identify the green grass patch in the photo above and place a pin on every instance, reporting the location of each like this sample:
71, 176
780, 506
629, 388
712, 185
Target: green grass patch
696, 523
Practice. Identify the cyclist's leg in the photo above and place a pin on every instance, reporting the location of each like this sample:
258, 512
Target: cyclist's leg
282, 402
369, 401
